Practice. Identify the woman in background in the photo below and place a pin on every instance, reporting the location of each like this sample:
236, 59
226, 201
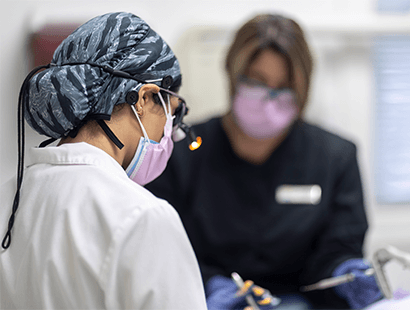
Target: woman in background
268, 195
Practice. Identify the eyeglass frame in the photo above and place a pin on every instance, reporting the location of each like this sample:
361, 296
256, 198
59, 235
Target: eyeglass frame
180, 111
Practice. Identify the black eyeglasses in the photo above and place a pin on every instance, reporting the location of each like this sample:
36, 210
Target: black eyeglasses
180, 111
194, 141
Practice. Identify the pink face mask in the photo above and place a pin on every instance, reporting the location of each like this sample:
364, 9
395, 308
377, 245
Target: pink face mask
151, 157
262, 112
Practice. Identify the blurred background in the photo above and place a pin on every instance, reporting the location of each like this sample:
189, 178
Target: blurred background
360, 88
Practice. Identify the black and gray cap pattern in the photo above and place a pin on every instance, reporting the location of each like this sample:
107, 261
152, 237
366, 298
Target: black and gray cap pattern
73, 89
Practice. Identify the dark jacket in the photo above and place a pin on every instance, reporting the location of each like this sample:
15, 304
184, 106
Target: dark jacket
234, 222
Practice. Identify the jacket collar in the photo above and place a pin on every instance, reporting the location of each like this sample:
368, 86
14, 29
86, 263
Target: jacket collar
80, 153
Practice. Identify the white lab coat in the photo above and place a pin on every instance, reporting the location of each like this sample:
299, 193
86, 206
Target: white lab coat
86, 236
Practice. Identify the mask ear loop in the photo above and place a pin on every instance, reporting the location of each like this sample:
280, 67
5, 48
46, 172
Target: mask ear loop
167, 112
22, 102
139, 121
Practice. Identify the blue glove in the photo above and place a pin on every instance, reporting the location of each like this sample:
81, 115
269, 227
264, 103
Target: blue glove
363, 290
222, 293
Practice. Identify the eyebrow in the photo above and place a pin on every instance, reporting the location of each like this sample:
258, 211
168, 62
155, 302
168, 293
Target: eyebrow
258, 76
262, 79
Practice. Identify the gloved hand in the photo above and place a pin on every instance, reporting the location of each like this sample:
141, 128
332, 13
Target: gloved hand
363, 290
222, 294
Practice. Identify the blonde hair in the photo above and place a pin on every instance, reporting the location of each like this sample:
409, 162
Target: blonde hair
280, 34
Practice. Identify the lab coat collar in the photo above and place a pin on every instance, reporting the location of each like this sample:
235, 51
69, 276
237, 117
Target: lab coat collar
80, 153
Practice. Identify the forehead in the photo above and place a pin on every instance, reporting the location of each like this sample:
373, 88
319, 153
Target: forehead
269, 67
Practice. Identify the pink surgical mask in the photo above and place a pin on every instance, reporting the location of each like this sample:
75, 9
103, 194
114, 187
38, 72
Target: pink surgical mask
151, 157
262, 112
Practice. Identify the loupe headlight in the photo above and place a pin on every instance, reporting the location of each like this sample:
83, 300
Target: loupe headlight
193, 140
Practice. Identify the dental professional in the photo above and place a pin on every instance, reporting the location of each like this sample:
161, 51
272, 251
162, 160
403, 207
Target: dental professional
80, 230
268, 195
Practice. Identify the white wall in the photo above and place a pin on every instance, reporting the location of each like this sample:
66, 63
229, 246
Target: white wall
339, 32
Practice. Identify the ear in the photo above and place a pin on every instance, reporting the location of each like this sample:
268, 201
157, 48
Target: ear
146, 92
145, 95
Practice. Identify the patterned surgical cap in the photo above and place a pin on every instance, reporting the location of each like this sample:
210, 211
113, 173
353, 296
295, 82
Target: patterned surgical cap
64, 96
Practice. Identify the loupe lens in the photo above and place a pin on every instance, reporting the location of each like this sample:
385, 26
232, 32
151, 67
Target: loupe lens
179, 114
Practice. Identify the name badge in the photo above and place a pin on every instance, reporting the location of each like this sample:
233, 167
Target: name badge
299, 194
